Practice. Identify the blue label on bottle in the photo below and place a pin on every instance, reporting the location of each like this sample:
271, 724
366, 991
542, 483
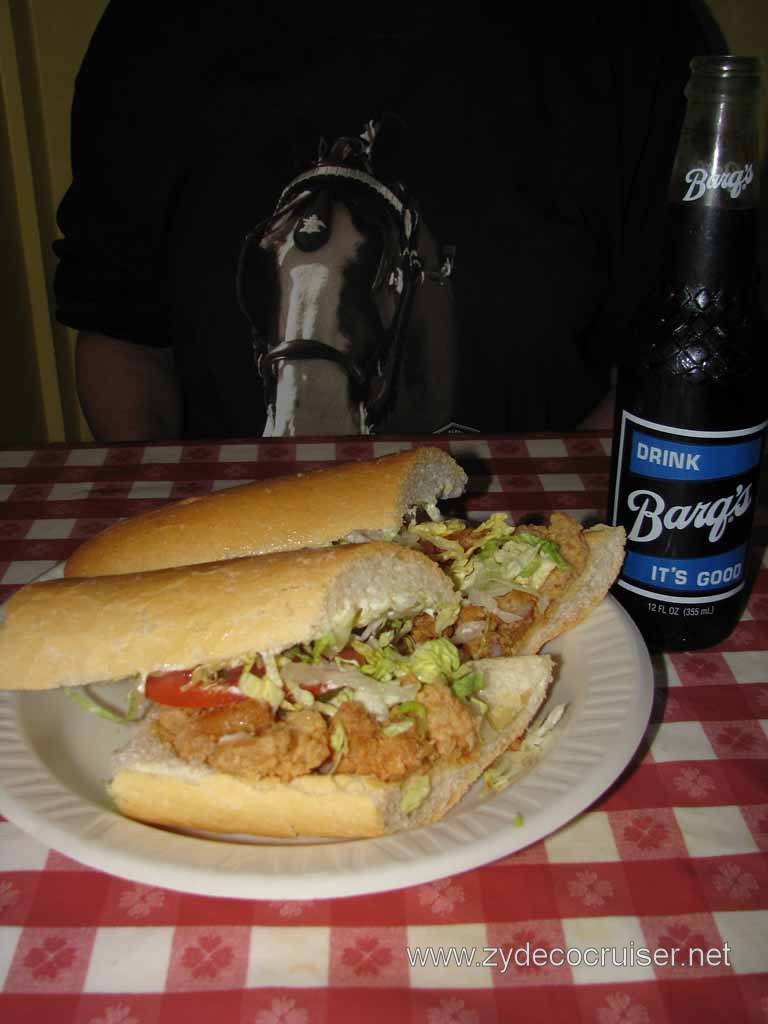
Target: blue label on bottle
686, 500
671, 460
681, 575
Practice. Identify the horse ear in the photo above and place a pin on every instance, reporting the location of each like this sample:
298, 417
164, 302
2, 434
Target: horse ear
368, 136
322, 151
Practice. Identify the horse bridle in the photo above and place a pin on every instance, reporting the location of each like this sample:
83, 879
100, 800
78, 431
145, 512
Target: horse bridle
376, 390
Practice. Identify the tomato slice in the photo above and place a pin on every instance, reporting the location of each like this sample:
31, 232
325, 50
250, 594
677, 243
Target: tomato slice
318, 689
169, 688
350, 654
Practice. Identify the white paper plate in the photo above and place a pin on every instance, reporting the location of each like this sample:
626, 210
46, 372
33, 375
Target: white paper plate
54, 763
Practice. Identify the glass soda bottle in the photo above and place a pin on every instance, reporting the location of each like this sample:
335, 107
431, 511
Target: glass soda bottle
691, 401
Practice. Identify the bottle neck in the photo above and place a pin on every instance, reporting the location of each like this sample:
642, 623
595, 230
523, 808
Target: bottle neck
714, 187
716, 163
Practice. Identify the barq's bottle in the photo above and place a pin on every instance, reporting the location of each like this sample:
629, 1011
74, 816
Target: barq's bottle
692, 393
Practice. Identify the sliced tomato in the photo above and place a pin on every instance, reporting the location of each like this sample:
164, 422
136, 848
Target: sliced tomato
429, 548
318, 689
173, 688
350, 654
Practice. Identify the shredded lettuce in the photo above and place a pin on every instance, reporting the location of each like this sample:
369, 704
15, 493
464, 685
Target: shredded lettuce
512, 764
466, 682
268, 687
321, 646
479, 705
449, 550
434, 660
94, 707
439, 661
299, 697
313, 653
328, 706
383, 663
499, 776
546, 547
415, 792
417, 709
396, 728
498, 552
398, 628
537, 738
446, 616
339, 744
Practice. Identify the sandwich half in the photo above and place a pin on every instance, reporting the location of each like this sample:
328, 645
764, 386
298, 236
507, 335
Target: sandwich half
311, 693
520, 586
357, 500
373, 781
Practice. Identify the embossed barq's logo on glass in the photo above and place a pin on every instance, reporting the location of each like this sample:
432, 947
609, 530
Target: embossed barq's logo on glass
704, 179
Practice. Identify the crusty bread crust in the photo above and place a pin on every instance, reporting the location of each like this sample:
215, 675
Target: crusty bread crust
316, 805
78, 631
302, 510
153, 785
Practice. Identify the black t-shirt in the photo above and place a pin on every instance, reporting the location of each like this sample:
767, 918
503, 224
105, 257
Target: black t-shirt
547, 171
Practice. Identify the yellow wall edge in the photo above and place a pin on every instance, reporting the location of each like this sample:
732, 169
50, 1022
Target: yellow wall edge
29, 241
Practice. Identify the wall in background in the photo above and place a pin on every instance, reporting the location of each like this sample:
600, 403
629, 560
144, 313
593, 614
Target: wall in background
26, 352
744, 23
41, 45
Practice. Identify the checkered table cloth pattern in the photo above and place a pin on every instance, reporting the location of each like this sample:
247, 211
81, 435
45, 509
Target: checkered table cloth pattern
671, 857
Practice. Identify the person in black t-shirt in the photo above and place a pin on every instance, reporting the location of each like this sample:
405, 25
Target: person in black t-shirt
548, 172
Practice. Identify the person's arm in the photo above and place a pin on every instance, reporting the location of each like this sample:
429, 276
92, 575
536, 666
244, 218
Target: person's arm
128, 392
136, 94
601, 417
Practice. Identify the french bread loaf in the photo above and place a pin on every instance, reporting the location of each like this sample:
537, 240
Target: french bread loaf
74, 632
298, 511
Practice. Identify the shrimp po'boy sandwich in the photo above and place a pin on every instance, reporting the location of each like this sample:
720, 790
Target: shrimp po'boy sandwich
319, 693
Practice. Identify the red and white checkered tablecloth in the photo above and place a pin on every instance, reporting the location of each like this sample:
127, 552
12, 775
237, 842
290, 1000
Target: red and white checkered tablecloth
672, 856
